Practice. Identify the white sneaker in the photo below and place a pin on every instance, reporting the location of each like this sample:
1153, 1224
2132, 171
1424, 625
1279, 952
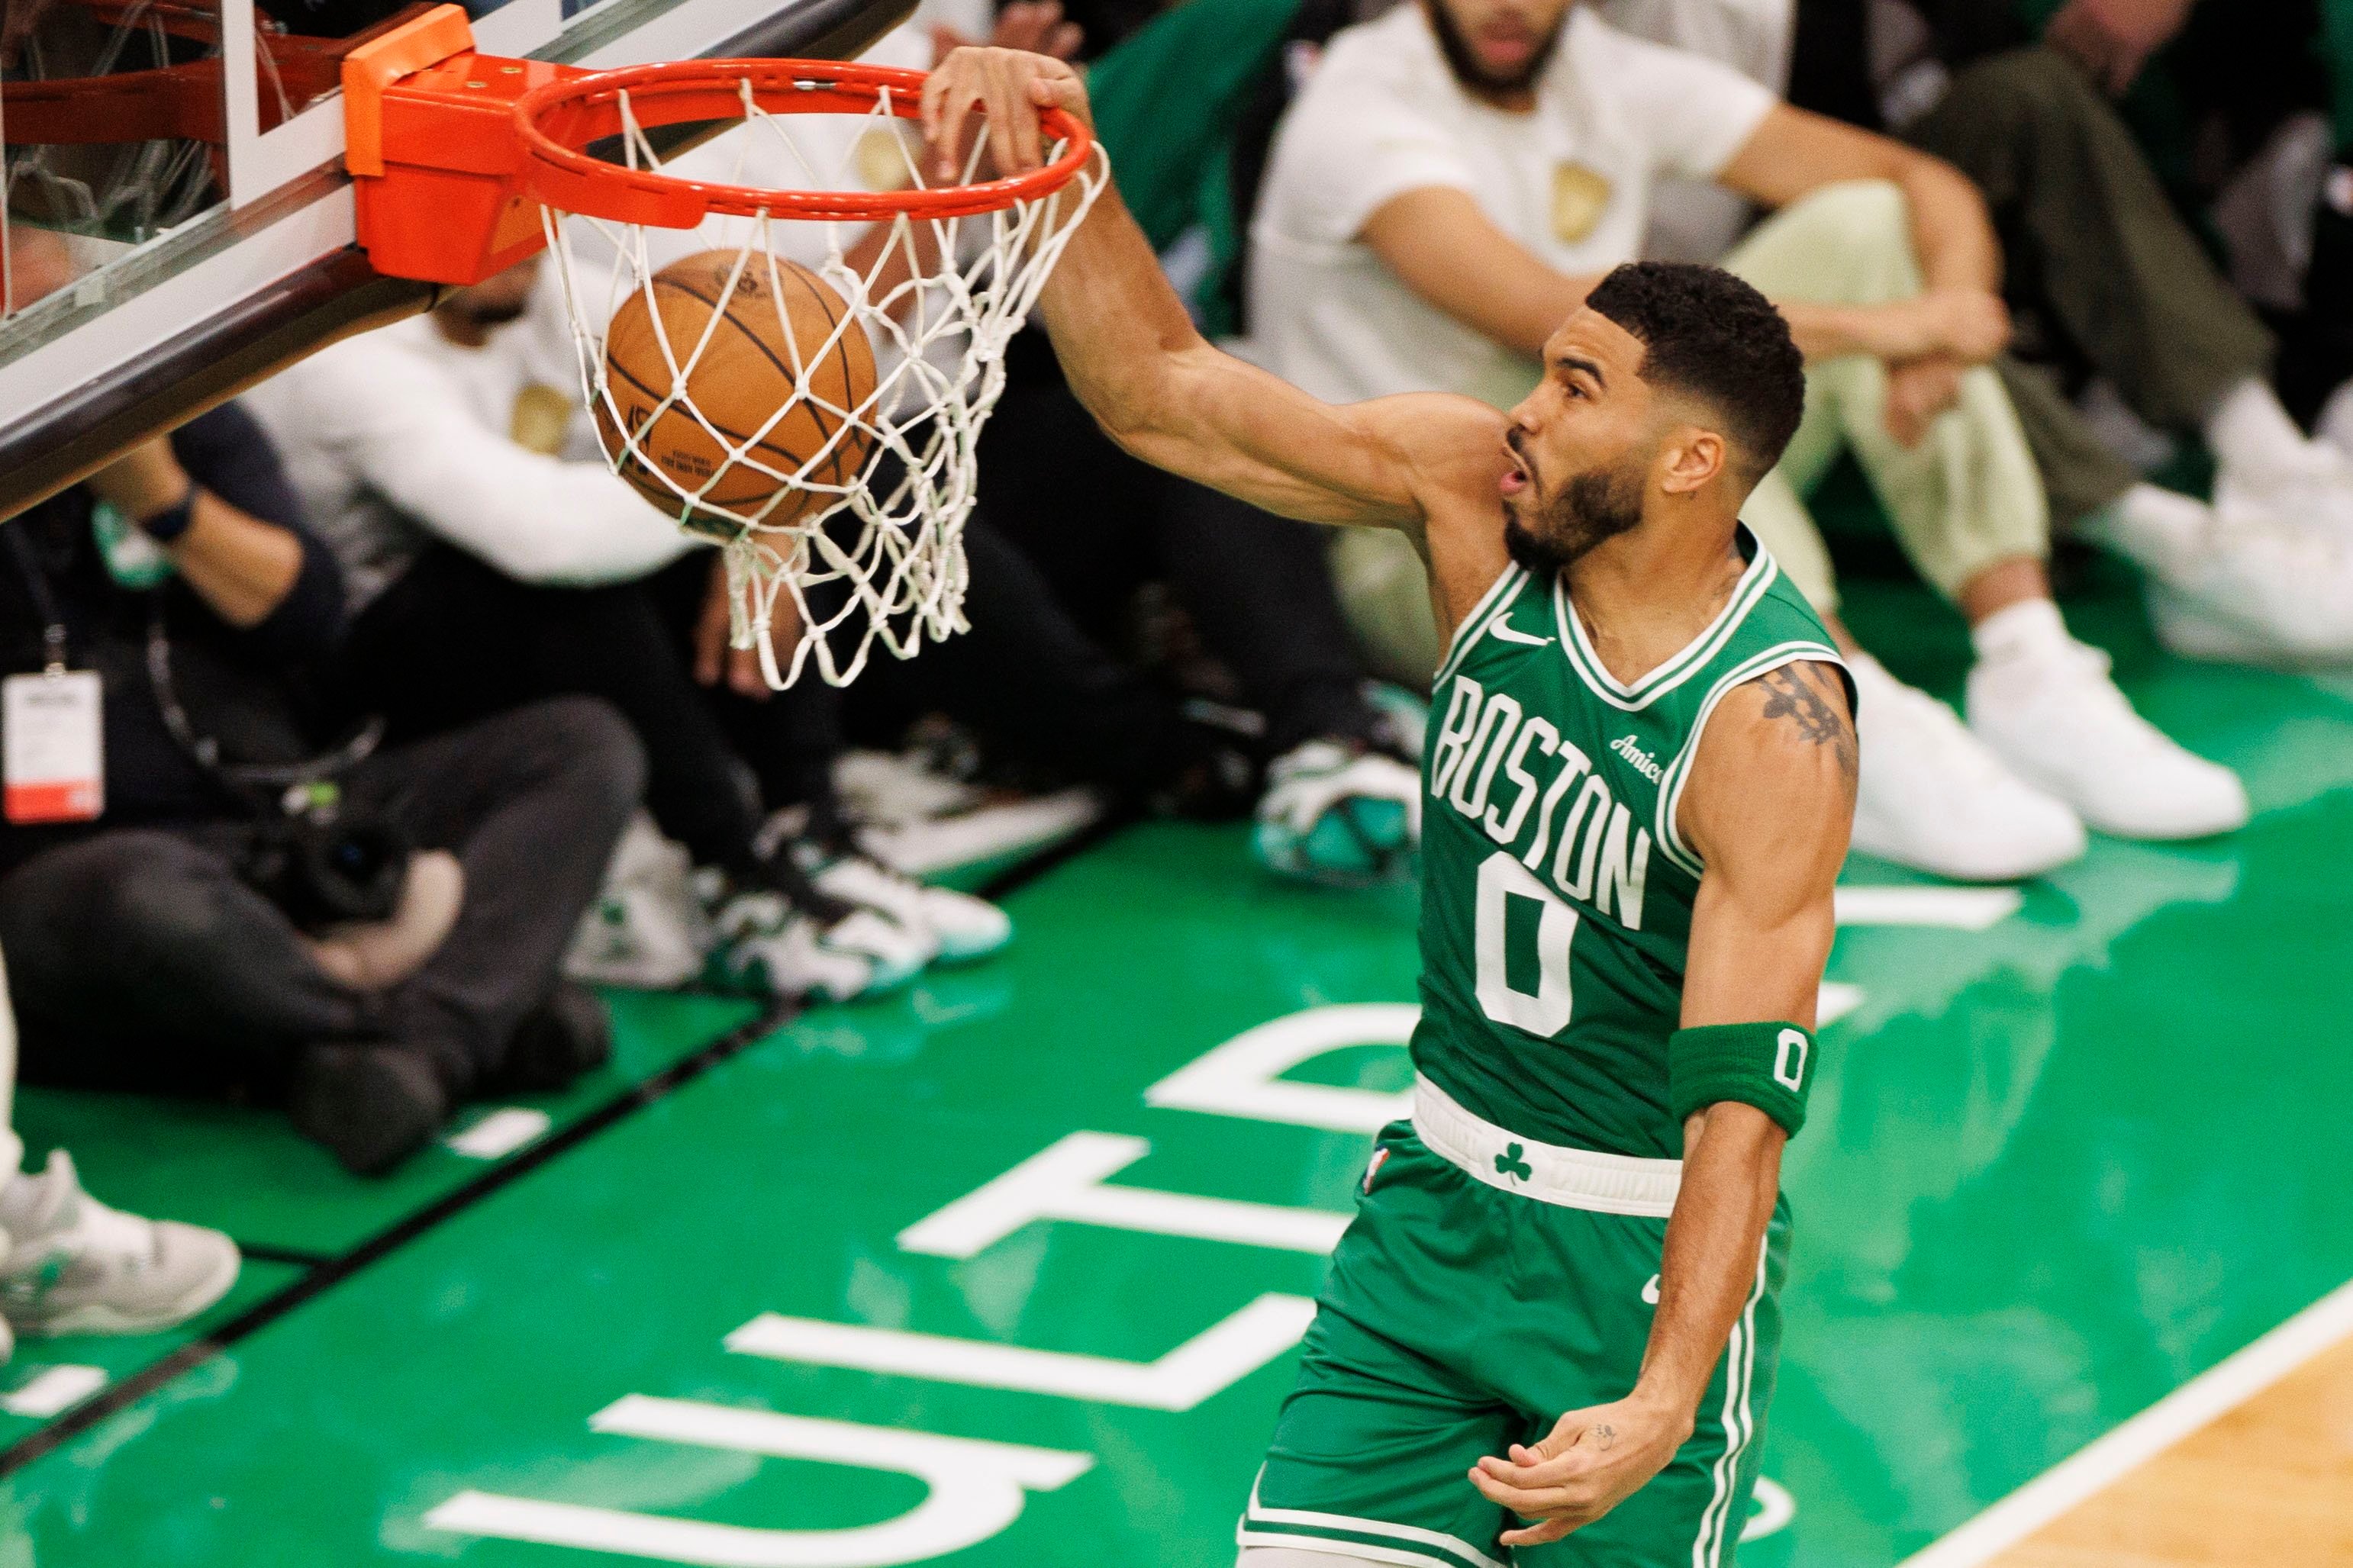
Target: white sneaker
2235, 585
75, 1266
917, 821
1932, 797
2261, 593
645, 929
2335, 424
768, 948
2053, 715
961, 928
2318, 497
886, 786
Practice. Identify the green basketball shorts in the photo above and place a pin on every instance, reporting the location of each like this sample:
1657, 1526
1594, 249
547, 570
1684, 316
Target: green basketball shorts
1487, 1284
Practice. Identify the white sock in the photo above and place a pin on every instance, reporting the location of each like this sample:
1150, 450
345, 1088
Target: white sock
2025, 632
2156, 527
2249, 434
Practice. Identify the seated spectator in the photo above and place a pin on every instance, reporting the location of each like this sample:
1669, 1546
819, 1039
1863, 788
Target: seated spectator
2132, 299
2246, 111
495, 560
240, 908
69, 1265
1455, 175
1341, 788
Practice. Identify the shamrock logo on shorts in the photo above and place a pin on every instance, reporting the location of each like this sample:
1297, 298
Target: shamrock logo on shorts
1510, 1163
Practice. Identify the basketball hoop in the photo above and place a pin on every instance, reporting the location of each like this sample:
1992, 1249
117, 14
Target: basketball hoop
810, 389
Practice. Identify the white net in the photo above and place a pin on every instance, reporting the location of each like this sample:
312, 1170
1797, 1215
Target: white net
841, 492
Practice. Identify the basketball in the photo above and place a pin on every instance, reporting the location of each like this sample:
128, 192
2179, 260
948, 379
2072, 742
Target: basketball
769, 350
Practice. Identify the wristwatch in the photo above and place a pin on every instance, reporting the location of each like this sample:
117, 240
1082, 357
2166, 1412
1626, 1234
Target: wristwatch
167, 525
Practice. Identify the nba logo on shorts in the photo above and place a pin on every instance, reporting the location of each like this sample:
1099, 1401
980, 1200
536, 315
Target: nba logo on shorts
1380, 1158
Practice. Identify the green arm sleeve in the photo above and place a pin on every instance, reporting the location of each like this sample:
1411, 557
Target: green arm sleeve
1768, 1066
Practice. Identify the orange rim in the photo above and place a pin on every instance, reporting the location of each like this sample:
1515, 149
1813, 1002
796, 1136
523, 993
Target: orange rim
557, 119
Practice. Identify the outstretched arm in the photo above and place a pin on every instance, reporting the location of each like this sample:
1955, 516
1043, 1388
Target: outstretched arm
1159, 390
1769, 808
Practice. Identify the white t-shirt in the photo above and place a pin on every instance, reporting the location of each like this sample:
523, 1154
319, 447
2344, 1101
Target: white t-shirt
1696, 220
399, 437
1571, 181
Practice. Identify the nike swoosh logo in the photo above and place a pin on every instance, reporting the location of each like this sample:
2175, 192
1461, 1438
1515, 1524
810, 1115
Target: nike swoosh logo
1499, 629
1650, 1291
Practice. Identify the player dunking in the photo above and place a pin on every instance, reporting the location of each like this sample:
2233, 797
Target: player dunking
1637, 801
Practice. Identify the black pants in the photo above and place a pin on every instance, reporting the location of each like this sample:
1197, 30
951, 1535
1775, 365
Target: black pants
1098, 522
454, 639
2100, 271
1034, 681
137, 959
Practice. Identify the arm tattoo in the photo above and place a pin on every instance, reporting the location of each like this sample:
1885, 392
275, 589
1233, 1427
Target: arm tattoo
1790, 693
1605, 1436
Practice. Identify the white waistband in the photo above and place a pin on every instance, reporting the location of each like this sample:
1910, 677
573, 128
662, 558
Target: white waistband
1573, 1178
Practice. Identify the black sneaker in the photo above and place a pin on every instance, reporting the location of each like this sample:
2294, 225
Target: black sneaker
372, 1106
566, 1036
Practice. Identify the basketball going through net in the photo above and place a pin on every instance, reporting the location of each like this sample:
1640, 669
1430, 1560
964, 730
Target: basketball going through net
789, 340
809, 386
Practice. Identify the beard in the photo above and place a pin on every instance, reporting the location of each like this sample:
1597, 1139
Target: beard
1464, 60
1594, 506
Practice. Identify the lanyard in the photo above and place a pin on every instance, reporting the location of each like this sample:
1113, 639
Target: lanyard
45, 603
205, 750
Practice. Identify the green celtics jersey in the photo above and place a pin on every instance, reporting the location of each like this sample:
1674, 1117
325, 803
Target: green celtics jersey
1557, 897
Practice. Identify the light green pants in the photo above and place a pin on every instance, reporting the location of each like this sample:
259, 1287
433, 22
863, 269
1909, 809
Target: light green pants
1966, 497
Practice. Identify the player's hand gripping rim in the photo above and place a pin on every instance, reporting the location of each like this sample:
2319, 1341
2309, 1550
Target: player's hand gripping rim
1592, 1460
1009, 89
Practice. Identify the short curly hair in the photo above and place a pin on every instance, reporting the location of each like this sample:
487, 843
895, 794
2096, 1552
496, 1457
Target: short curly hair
1708, 334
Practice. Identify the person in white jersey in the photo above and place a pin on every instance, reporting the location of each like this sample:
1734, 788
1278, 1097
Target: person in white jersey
1455, 175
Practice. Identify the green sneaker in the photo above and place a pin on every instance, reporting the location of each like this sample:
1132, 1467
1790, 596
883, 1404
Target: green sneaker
1338, 815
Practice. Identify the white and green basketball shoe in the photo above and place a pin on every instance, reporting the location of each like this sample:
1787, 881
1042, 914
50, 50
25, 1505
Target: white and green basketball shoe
963, 928
75, 1266
768, 947
1339, 815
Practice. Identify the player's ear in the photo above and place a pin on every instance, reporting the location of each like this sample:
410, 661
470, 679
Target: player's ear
1695, 455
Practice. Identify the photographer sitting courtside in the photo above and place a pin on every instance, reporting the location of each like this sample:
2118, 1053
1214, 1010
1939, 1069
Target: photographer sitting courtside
199, 892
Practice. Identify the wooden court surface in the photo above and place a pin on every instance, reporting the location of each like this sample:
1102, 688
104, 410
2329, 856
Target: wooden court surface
2270, 1483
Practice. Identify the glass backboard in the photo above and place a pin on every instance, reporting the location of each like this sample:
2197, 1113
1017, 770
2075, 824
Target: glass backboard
177, 221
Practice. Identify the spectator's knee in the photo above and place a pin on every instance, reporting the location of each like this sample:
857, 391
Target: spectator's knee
588, 737
1858, 207
154, 902
1855, 215
2030, 87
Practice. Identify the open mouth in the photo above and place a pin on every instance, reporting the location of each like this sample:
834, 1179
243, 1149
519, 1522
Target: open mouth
1516, 477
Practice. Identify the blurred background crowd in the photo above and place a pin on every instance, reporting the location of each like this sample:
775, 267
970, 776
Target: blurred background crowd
419, 723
